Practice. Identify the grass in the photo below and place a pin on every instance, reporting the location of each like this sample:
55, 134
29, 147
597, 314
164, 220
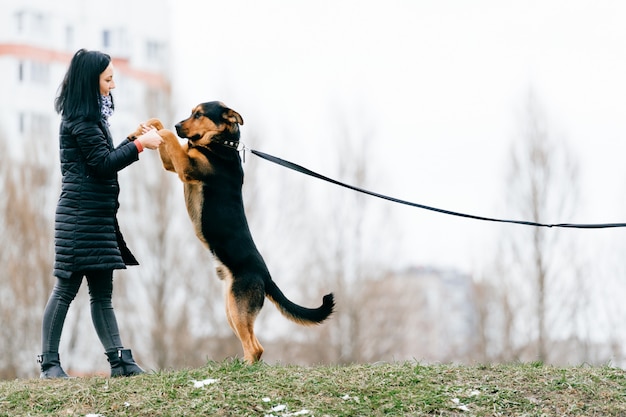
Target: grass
395, 389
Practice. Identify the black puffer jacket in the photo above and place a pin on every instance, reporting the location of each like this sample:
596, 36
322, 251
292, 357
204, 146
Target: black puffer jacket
87, 235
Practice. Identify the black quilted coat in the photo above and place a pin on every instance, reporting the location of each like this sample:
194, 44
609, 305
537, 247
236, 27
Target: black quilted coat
87, 235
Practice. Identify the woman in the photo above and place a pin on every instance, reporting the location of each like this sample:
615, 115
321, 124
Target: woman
88, 242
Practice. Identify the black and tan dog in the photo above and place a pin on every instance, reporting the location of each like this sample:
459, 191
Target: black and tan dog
209, 165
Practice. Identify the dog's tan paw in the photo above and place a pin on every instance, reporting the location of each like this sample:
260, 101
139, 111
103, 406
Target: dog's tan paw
154, 122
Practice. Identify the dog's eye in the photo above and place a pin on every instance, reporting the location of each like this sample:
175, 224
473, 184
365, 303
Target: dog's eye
197, 115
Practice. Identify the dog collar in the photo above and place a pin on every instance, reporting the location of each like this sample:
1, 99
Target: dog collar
232, 144
229, 144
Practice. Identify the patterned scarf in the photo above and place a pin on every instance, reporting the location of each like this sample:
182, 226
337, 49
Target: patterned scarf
107, 108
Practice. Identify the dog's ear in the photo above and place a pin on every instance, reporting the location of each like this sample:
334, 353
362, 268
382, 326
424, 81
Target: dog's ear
232, 116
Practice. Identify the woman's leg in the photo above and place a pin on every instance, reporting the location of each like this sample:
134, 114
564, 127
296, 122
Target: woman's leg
63, 293
54, 315
105, 322
102, 312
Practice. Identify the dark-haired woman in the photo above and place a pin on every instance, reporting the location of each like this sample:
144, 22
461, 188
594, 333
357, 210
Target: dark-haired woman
88, 242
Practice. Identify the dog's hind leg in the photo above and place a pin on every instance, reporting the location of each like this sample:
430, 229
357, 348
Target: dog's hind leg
242, 322
242, 307
243, 299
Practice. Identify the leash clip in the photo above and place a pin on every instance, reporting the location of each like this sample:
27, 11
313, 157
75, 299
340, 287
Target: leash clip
241, 147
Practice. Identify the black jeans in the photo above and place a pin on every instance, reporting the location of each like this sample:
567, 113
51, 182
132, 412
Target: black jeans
102, 313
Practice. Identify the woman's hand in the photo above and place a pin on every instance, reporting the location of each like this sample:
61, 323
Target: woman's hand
150, 138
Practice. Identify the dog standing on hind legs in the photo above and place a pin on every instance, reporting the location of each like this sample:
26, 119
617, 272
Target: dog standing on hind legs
209, 165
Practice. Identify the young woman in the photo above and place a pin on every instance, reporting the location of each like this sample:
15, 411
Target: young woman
88, 242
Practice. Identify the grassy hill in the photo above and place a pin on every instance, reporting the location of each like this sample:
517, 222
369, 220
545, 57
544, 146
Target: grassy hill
232, 388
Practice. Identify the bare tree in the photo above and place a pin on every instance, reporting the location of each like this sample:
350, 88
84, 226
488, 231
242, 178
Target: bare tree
341, 231
542, 186
26, 254
339, 257
499, 309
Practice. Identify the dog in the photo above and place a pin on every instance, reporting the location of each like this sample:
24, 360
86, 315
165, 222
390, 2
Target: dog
209, 165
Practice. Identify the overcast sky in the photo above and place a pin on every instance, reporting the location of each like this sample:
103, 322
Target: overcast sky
440, 85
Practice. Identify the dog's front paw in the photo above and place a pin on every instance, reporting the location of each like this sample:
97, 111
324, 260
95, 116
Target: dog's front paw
154, 122
135, 134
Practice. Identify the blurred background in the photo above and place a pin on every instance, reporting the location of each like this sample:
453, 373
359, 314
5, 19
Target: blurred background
504, 109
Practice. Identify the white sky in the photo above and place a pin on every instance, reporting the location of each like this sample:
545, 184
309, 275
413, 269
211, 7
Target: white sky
439, 84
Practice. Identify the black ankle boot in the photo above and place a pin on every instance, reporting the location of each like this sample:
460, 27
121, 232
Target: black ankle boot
50, 366
123, 364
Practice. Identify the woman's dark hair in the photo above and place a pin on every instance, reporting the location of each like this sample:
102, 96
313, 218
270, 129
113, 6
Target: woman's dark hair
79, 93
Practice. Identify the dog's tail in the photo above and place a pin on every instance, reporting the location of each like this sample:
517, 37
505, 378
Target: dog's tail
296, 313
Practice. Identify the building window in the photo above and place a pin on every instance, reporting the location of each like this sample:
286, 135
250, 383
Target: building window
154, 50
39, 124
69, 37
106, 38
33, 72
34, 124
31, 23
39, 24
40, 72
19, 21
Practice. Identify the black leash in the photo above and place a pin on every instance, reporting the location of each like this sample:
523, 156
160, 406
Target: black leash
306, 171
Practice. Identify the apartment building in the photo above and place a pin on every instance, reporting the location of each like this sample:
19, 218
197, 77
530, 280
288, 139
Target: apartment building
422, 313
38, 39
